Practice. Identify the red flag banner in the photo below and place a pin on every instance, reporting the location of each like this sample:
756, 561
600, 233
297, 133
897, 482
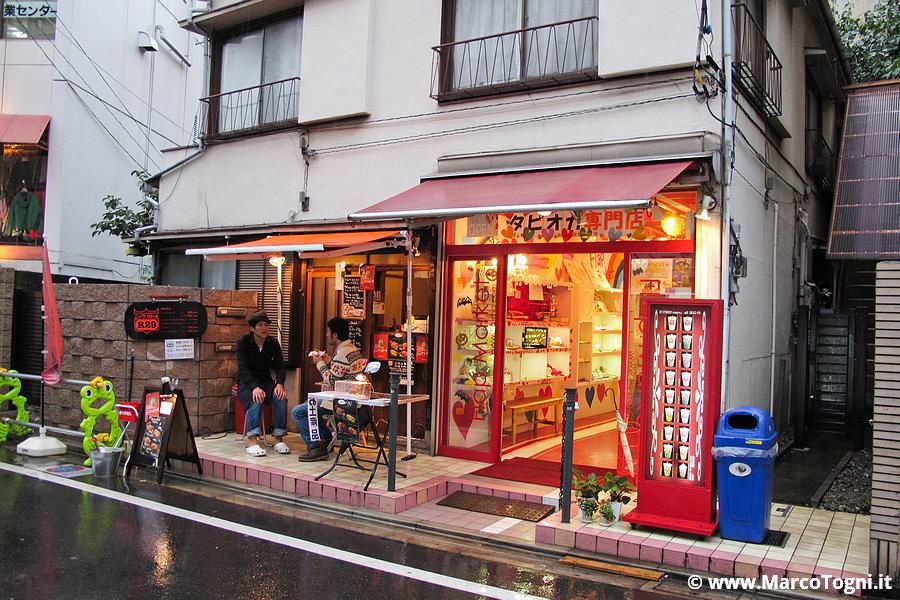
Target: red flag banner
53, 344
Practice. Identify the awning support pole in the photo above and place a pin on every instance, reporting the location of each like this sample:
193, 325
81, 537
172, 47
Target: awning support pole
409, 345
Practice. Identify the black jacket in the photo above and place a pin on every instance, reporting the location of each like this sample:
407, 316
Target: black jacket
257, 368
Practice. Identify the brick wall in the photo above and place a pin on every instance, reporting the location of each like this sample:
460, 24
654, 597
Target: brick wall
7, 280
95, 343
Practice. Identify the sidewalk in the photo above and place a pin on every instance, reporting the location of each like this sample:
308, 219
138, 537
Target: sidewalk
819, 542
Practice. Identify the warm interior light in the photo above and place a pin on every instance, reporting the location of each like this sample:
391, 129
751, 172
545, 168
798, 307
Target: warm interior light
544, 213
672, 225
277, 260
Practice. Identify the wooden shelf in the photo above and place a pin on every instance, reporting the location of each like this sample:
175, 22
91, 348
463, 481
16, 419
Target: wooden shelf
601, 330
606, 352
523, 382
554, 323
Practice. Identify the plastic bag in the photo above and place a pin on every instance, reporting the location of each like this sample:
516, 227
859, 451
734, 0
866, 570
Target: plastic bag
743, 452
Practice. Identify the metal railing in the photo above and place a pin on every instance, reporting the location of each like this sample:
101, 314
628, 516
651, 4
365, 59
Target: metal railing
534, 57
757, 69
820, 159
268, 106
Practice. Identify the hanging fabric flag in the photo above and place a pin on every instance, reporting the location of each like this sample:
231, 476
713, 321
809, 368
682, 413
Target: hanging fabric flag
53, 344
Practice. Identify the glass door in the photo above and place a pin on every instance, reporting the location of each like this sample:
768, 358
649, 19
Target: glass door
470, 347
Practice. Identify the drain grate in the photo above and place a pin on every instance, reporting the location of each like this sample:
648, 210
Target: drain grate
775, 538
493, 505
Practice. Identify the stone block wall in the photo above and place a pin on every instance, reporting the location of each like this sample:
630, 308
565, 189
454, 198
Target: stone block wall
7, 287
95, 343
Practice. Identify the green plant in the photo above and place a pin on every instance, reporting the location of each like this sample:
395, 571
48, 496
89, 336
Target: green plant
870, 40
617, 487
585, 486
120, 220
606, 511
587, 505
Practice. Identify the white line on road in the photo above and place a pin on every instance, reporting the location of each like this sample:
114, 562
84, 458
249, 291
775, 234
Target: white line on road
378, 564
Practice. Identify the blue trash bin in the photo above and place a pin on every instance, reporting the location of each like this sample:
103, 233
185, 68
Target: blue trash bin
745, 446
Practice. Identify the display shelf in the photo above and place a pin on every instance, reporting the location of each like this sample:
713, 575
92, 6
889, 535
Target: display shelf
602, 330
553, 323
536, 350
510, 385
606, 352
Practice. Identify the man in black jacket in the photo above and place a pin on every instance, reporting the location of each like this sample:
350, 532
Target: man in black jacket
260, 382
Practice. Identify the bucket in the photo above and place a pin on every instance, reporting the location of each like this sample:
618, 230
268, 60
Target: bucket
105, 461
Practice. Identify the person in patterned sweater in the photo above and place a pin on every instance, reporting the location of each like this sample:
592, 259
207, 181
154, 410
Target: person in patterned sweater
346, 363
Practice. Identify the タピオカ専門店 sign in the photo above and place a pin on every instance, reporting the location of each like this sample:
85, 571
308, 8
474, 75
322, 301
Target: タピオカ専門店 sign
165, 320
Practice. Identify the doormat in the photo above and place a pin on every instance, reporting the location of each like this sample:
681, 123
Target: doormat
775, 538
494, 505
531, 470
68, 471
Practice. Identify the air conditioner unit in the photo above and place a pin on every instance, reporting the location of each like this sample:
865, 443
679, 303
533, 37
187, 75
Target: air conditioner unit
198, 7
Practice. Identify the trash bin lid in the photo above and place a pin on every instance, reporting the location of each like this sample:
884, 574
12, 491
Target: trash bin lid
746, 426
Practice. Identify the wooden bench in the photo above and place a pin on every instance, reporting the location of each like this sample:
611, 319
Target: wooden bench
534, 403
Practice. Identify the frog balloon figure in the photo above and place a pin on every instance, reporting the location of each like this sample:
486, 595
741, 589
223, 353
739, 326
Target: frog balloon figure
14, 386
102, 390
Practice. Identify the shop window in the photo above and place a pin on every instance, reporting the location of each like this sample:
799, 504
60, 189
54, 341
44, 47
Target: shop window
23, 20
495, 45
258, 74
23, 176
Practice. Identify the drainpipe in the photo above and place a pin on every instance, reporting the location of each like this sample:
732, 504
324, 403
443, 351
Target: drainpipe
727, 158
774, 306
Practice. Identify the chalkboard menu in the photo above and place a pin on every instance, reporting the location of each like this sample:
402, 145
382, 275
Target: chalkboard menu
356, 335
165, 320
354, 304
163, 432
534, 337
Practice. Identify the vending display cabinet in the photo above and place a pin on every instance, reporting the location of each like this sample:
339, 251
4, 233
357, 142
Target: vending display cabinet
682, 366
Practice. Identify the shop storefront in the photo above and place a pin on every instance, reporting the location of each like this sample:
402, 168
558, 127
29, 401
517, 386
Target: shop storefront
23, 177
543, 273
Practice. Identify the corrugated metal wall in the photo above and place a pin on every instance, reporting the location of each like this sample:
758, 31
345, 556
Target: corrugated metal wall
260, 276
884, 555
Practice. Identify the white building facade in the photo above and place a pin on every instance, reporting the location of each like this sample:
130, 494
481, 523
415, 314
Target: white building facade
319, 109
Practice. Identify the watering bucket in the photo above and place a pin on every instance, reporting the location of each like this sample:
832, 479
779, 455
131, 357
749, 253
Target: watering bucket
105, 461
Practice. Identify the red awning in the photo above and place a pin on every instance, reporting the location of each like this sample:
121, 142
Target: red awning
354, 241
559, 189
22, 129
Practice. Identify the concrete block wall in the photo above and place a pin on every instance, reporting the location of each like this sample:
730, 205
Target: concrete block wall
95, 343
7, 287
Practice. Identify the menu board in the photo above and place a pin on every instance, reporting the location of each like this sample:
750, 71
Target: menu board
165, 320
354, 303
356, 335
163, 432
346, 420
679, 395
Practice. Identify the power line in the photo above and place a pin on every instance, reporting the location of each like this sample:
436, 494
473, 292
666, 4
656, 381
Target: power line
514, 122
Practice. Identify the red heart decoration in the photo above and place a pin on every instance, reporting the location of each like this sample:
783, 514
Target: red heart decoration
559, 273
508, 232
547, 234
601, 391
463, 415
520, 393
567, 234
544, 413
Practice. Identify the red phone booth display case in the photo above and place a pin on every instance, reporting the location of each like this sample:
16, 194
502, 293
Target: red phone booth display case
682, 364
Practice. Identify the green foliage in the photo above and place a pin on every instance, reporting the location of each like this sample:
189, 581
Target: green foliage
587, 505
872, 41
585, 486
606, 511
617, 487
120, 220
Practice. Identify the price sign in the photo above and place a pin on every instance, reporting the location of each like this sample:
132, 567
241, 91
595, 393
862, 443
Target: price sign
354, 304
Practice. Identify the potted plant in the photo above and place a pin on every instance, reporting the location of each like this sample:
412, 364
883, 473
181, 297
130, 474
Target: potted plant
587, 493
607, 515
617, 488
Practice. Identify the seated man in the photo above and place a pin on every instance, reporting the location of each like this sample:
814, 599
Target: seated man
346, 364
261, 381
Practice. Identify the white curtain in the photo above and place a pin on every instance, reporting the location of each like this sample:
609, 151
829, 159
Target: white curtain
495, 60
280, 61
563, 48
241, 68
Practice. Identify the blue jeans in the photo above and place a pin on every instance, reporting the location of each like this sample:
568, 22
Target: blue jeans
254, 411
300, 414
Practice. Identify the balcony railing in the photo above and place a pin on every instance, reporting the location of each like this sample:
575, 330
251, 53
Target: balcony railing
262, 107
756, 68
535, 57
820, 160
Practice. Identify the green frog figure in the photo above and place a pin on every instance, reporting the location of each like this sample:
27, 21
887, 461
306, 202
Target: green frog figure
101, 390
14, 386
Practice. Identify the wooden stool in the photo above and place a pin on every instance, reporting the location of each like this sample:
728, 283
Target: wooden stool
534, 403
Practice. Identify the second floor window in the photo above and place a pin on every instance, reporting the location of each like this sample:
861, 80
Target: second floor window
497, 42
259, 77
29, 19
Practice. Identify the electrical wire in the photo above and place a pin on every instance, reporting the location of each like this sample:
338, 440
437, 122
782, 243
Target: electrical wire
498, 125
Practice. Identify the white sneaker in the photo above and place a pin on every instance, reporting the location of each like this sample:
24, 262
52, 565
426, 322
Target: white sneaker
255, 450
282, 448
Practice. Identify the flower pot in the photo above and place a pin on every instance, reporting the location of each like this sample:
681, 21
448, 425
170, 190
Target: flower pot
617, 510
105, 461
584, 517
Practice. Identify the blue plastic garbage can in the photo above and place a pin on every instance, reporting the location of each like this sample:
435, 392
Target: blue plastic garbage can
745, 446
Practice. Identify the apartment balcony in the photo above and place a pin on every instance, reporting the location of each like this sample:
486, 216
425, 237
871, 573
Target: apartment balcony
535, 57
820, 160
260, 108
757, 70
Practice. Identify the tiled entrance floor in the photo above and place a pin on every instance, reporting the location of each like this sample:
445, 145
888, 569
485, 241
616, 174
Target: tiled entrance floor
819, 542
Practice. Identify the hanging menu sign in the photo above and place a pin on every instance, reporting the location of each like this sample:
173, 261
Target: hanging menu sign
356, 335
354, 304
681, 379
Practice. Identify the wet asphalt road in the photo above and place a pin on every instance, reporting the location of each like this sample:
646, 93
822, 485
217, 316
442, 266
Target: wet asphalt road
60, 542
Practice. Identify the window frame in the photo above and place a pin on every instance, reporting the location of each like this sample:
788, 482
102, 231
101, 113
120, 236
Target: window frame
28, 36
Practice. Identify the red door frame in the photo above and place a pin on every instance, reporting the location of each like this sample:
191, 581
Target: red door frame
502, 253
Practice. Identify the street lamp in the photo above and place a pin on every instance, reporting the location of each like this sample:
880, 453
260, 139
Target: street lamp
277, 261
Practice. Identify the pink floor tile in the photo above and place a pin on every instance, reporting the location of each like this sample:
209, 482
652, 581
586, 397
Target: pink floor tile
240, 474
289, 485
373, 502
747, 565
698, 558
229, 472
722, 562
315, 489
252, 477
265, 478
544, 534
302, 487
218, 470
342, 496
771, 566
586, 540
675, 554
652, 550
565, 538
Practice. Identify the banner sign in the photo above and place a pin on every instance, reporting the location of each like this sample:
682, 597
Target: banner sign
165, 320
313, 417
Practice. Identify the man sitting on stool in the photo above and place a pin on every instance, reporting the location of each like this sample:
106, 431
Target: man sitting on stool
346, 364
258, 357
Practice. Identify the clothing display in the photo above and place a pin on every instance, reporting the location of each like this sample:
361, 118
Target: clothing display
24, 215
